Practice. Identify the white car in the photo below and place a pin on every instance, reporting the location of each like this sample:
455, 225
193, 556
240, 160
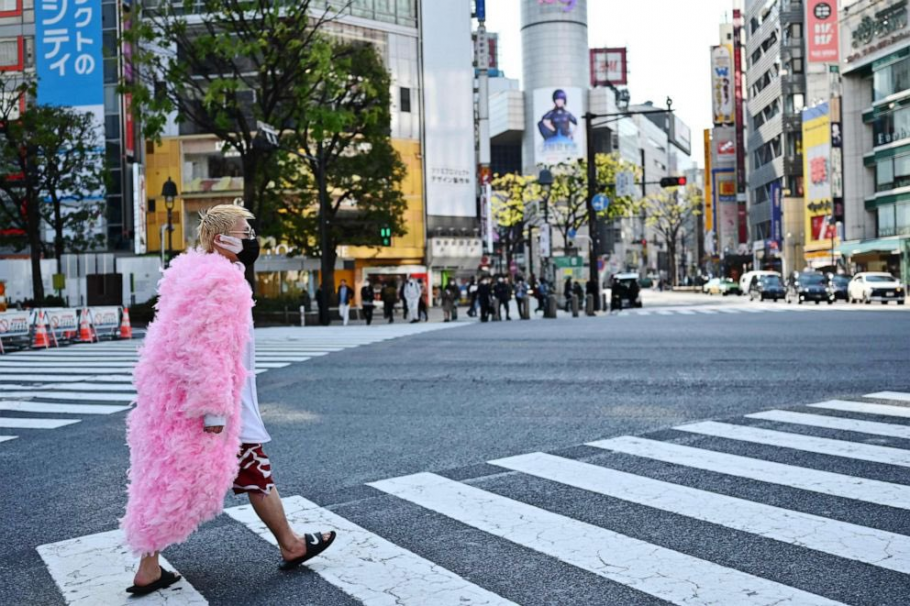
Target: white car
745, 282
869, 286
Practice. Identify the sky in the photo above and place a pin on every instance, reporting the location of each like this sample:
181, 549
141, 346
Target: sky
669, 49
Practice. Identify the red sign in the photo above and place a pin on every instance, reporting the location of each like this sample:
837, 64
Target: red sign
608, 67
822, 229
725, 148
821, 22
129, 135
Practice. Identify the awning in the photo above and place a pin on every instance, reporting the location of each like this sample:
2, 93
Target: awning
882, 245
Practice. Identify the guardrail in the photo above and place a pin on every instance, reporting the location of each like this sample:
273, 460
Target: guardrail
47, 327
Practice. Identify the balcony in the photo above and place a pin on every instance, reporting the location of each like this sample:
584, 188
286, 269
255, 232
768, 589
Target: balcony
765, 97
764, 133
767, 173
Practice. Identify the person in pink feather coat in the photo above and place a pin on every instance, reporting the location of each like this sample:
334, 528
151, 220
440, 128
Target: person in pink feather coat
196, 431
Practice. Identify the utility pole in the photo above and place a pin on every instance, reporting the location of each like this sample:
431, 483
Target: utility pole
484, 173
592, 214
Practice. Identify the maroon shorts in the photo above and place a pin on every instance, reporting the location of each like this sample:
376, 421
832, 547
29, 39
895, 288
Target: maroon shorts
255, 473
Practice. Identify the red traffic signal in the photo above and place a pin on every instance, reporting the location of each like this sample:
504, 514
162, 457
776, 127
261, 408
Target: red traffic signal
673, 182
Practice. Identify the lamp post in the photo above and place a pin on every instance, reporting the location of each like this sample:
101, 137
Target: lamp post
545, 181
169, 193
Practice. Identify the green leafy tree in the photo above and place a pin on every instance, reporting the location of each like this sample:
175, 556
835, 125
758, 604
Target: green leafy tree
511, 194
668, 212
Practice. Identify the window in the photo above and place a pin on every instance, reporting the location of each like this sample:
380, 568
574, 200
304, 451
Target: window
903, 218
797, 65
884, 175
891, 79
10, 7
891, 127
796, 30
9, 53
886, 225
405, 99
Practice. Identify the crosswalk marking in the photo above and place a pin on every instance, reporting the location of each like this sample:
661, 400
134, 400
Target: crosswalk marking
97, 569
42, 407
685, 312
800, 418
72, 395
803, 478
91, 387
705, 311
17, 377
11, 362
884, 410
890, 395
368, 567
7, 438
836, 448
660, 572
842, 539
20, 423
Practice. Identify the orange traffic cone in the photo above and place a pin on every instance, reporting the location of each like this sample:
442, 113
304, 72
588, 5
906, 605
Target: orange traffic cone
126, 330
85, 328
41, 339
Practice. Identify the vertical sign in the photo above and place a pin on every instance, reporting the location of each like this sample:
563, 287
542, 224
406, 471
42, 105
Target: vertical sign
722, 85
709, 192
821, 18
140, 210
738, 102
560, 135
777, 215
129, 127
817, 171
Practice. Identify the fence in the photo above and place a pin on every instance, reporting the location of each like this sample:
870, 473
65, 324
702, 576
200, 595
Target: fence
51, 327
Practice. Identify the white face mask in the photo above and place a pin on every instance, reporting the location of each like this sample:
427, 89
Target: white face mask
230, 243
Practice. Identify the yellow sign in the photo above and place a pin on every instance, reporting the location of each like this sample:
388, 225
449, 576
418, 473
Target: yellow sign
819, 209
709, 196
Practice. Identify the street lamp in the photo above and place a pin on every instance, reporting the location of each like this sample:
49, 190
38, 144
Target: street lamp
545, 181
169, 193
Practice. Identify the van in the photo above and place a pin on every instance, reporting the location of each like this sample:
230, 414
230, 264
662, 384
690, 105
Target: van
745, 282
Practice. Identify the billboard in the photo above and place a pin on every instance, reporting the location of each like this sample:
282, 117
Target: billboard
817, 174
560, 134
608, 66
821, 24
448, 98
680, 135
723, 102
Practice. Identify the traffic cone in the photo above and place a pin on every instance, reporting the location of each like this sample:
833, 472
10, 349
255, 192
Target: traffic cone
85, 329
126, 330
41, 339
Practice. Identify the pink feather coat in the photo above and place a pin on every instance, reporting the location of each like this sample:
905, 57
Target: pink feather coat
190, 365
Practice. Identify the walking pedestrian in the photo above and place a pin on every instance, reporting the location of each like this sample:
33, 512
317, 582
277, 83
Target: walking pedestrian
521, 295
503, 292
412, 293
472, 297
485, 299
543, 291
389, 298
448, 303
401, 297
456, 297
345, 296
366, 300
567, 292
196, 431
422, 313
320, 303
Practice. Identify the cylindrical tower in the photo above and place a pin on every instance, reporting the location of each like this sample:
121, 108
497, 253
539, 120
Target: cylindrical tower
554, 42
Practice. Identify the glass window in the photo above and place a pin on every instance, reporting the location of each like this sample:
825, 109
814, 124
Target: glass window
9, 52
903, 218
9, 6
886, 220
798, 66
902, 166
891, 79
884, 174
405, 99
891, 127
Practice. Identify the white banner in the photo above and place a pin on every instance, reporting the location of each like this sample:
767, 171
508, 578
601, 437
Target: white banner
545, 245
560, 130
60, 320
104, 317
14, 323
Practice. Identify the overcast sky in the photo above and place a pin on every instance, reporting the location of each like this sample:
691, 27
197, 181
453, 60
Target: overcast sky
669, 49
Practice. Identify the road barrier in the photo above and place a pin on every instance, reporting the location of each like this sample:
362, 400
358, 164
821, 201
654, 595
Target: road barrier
15, 327
50, 327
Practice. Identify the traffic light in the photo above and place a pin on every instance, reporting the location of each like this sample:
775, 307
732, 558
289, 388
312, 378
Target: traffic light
385, 236
673, 182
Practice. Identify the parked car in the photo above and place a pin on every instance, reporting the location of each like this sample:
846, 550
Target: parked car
722, 286
625, 291
836, 285
767, 287
872, 286
745, 282
806, 286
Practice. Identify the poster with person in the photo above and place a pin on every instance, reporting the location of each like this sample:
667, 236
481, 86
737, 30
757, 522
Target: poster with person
559, 131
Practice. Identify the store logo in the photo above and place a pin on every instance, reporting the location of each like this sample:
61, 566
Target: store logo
822, 11
568, 5
885, 22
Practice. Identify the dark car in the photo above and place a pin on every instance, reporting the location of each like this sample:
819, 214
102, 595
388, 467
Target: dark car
767, 287
807, 286
836, 285
625, 291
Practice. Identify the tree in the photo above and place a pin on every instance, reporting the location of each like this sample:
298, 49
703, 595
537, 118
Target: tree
52, 174
668, 213
225, 65
350, 185
511, 193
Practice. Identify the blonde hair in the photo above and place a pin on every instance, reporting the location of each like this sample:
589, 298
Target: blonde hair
218, 220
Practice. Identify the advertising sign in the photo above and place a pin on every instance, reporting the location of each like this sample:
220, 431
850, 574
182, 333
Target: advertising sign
14, 323
817, 172
140, 211
724, 184
879, 28
61, 320
560, 134
777, 214
681, 135
722, 84
608, 66
448, 96
728, 230
104, 317
565, 6
740, 120
709, 190
821, 24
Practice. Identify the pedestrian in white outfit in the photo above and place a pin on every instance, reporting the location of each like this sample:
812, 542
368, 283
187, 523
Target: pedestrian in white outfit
345, 295
412, 292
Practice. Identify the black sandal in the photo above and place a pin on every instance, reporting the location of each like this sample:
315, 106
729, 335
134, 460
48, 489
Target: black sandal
315, 545
167, 579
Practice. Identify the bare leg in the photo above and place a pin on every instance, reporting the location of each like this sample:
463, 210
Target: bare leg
149, 570
271, 512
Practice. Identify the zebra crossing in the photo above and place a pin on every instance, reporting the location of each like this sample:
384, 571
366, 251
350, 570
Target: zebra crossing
54, 388
805, 505
746, 308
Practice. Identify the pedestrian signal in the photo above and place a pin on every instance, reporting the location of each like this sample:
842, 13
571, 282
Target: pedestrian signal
385, 236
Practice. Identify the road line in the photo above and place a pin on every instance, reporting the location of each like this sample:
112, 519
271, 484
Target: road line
838, 423
7, 438
30, 364
825, 446
664, 312
728, 310
72, 395
660, 572
841, 539
52, 378
802, 478
85, 386
19, 423
884, 410
290, 359
74, 409
96, 569
751, 310
685, 312
705, 311
370, 568
890, 395
270, 365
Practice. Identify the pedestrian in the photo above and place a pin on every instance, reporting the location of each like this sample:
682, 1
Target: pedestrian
345, 296
404, 305
485, 299
456, 297
591, 289
389, 298
447, 304
503, 292
543, 291
196, 431
412, 293
422, 313
320, 303
521, 295
472, 297
366, 300
567, 291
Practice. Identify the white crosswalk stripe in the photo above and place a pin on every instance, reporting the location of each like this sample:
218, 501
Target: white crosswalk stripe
885, 410
85, 379
739, 308
890, 395
799, 418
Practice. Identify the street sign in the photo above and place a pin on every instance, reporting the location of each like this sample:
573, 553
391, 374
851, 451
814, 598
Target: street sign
625, 183
568, 261
545, 241
600, 202
572, 232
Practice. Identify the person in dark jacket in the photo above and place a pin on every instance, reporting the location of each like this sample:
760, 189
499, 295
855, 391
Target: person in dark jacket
345, 297
389, 298
485, 297
404, 305
503, 292
472, 297
366, 300
567, 290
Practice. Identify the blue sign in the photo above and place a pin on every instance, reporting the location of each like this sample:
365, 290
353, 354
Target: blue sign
480, 10
572, 231
777, 213
69, 52
600, 202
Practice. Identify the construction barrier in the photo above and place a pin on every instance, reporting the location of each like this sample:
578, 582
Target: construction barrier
62, 323
51, 327
105, 321
126, 329
15, 328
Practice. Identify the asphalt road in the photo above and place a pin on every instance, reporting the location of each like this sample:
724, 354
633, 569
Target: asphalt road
450, 401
